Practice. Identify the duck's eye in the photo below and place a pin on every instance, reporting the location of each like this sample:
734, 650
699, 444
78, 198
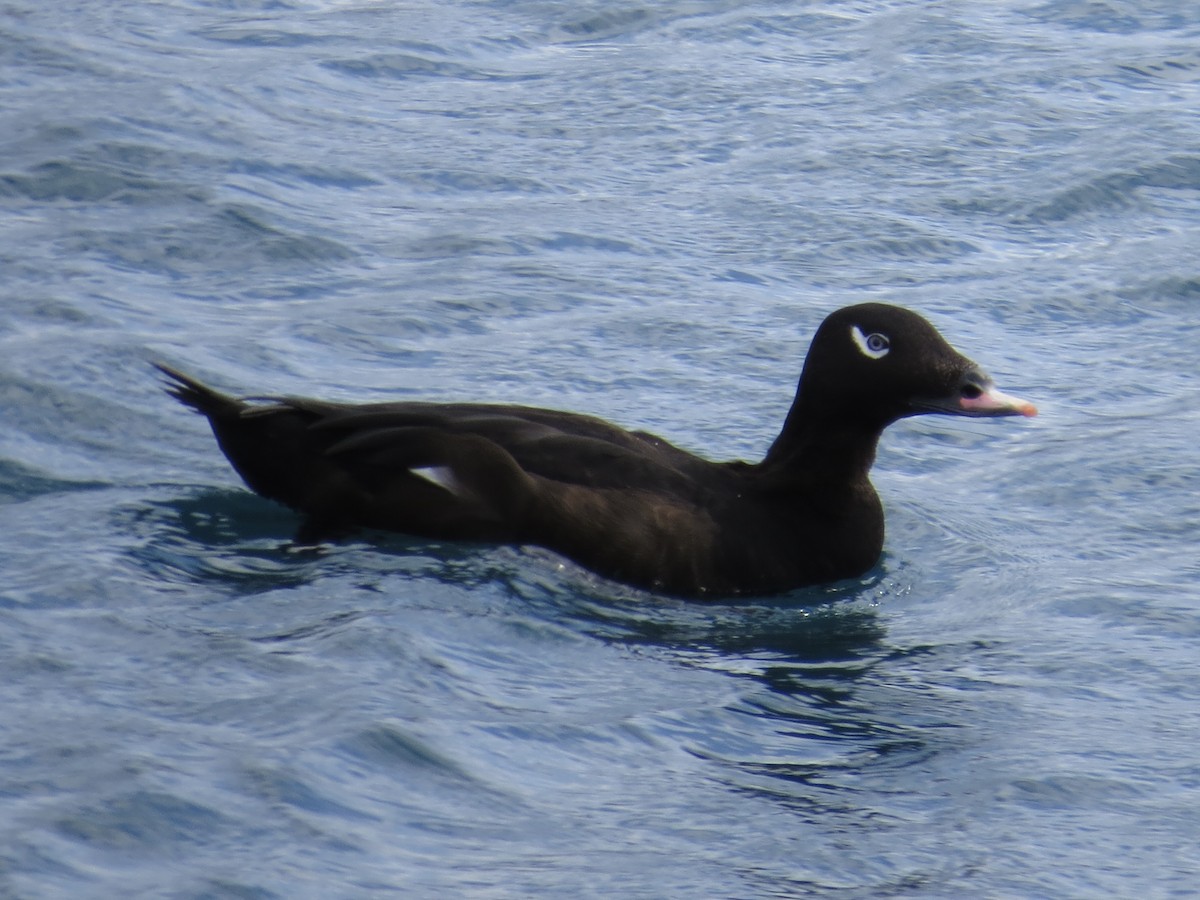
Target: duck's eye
874, 345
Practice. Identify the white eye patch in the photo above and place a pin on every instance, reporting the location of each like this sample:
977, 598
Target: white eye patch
874, 345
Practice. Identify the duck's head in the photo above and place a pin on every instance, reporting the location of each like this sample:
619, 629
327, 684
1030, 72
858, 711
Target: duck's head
877, 363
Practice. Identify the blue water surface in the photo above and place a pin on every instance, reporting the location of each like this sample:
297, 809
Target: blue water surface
640, 211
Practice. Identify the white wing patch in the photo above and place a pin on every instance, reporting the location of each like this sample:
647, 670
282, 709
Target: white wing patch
442, 476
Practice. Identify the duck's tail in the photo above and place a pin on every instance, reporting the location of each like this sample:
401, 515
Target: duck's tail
199, 396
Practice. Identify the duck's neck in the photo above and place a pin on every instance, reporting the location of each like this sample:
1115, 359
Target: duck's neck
820, 447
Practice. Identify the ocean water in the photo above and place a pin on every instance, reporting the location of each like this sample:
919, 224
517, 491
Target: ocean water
640, 211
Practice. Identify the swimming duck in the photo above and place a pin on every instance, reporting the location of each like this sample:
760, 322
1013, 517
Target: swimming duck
625, 504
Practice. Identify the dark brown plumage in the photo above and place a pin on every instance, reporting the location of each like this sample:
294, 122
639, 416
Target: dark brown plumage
626, 504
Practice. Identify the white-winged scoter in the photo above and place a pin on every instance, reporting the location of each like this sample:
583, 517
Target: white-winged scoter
625, 504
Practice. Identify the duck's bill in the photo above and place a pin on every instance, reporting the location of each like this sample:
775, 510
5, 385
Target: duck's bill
993, 402
977, 396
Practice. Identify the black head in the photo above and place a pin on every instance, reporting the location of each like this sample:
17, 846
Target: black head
875, 363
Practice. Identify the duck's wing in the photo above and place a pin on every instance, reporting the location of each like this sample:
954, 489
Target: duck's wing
457, 470
566, 447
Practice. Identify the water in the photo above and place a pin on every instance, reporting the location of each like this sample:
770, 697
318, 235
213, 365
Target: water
639, 211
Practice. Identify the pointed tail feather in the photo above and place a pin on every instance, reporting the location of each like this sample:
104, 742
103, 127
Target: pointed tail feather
197, 395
